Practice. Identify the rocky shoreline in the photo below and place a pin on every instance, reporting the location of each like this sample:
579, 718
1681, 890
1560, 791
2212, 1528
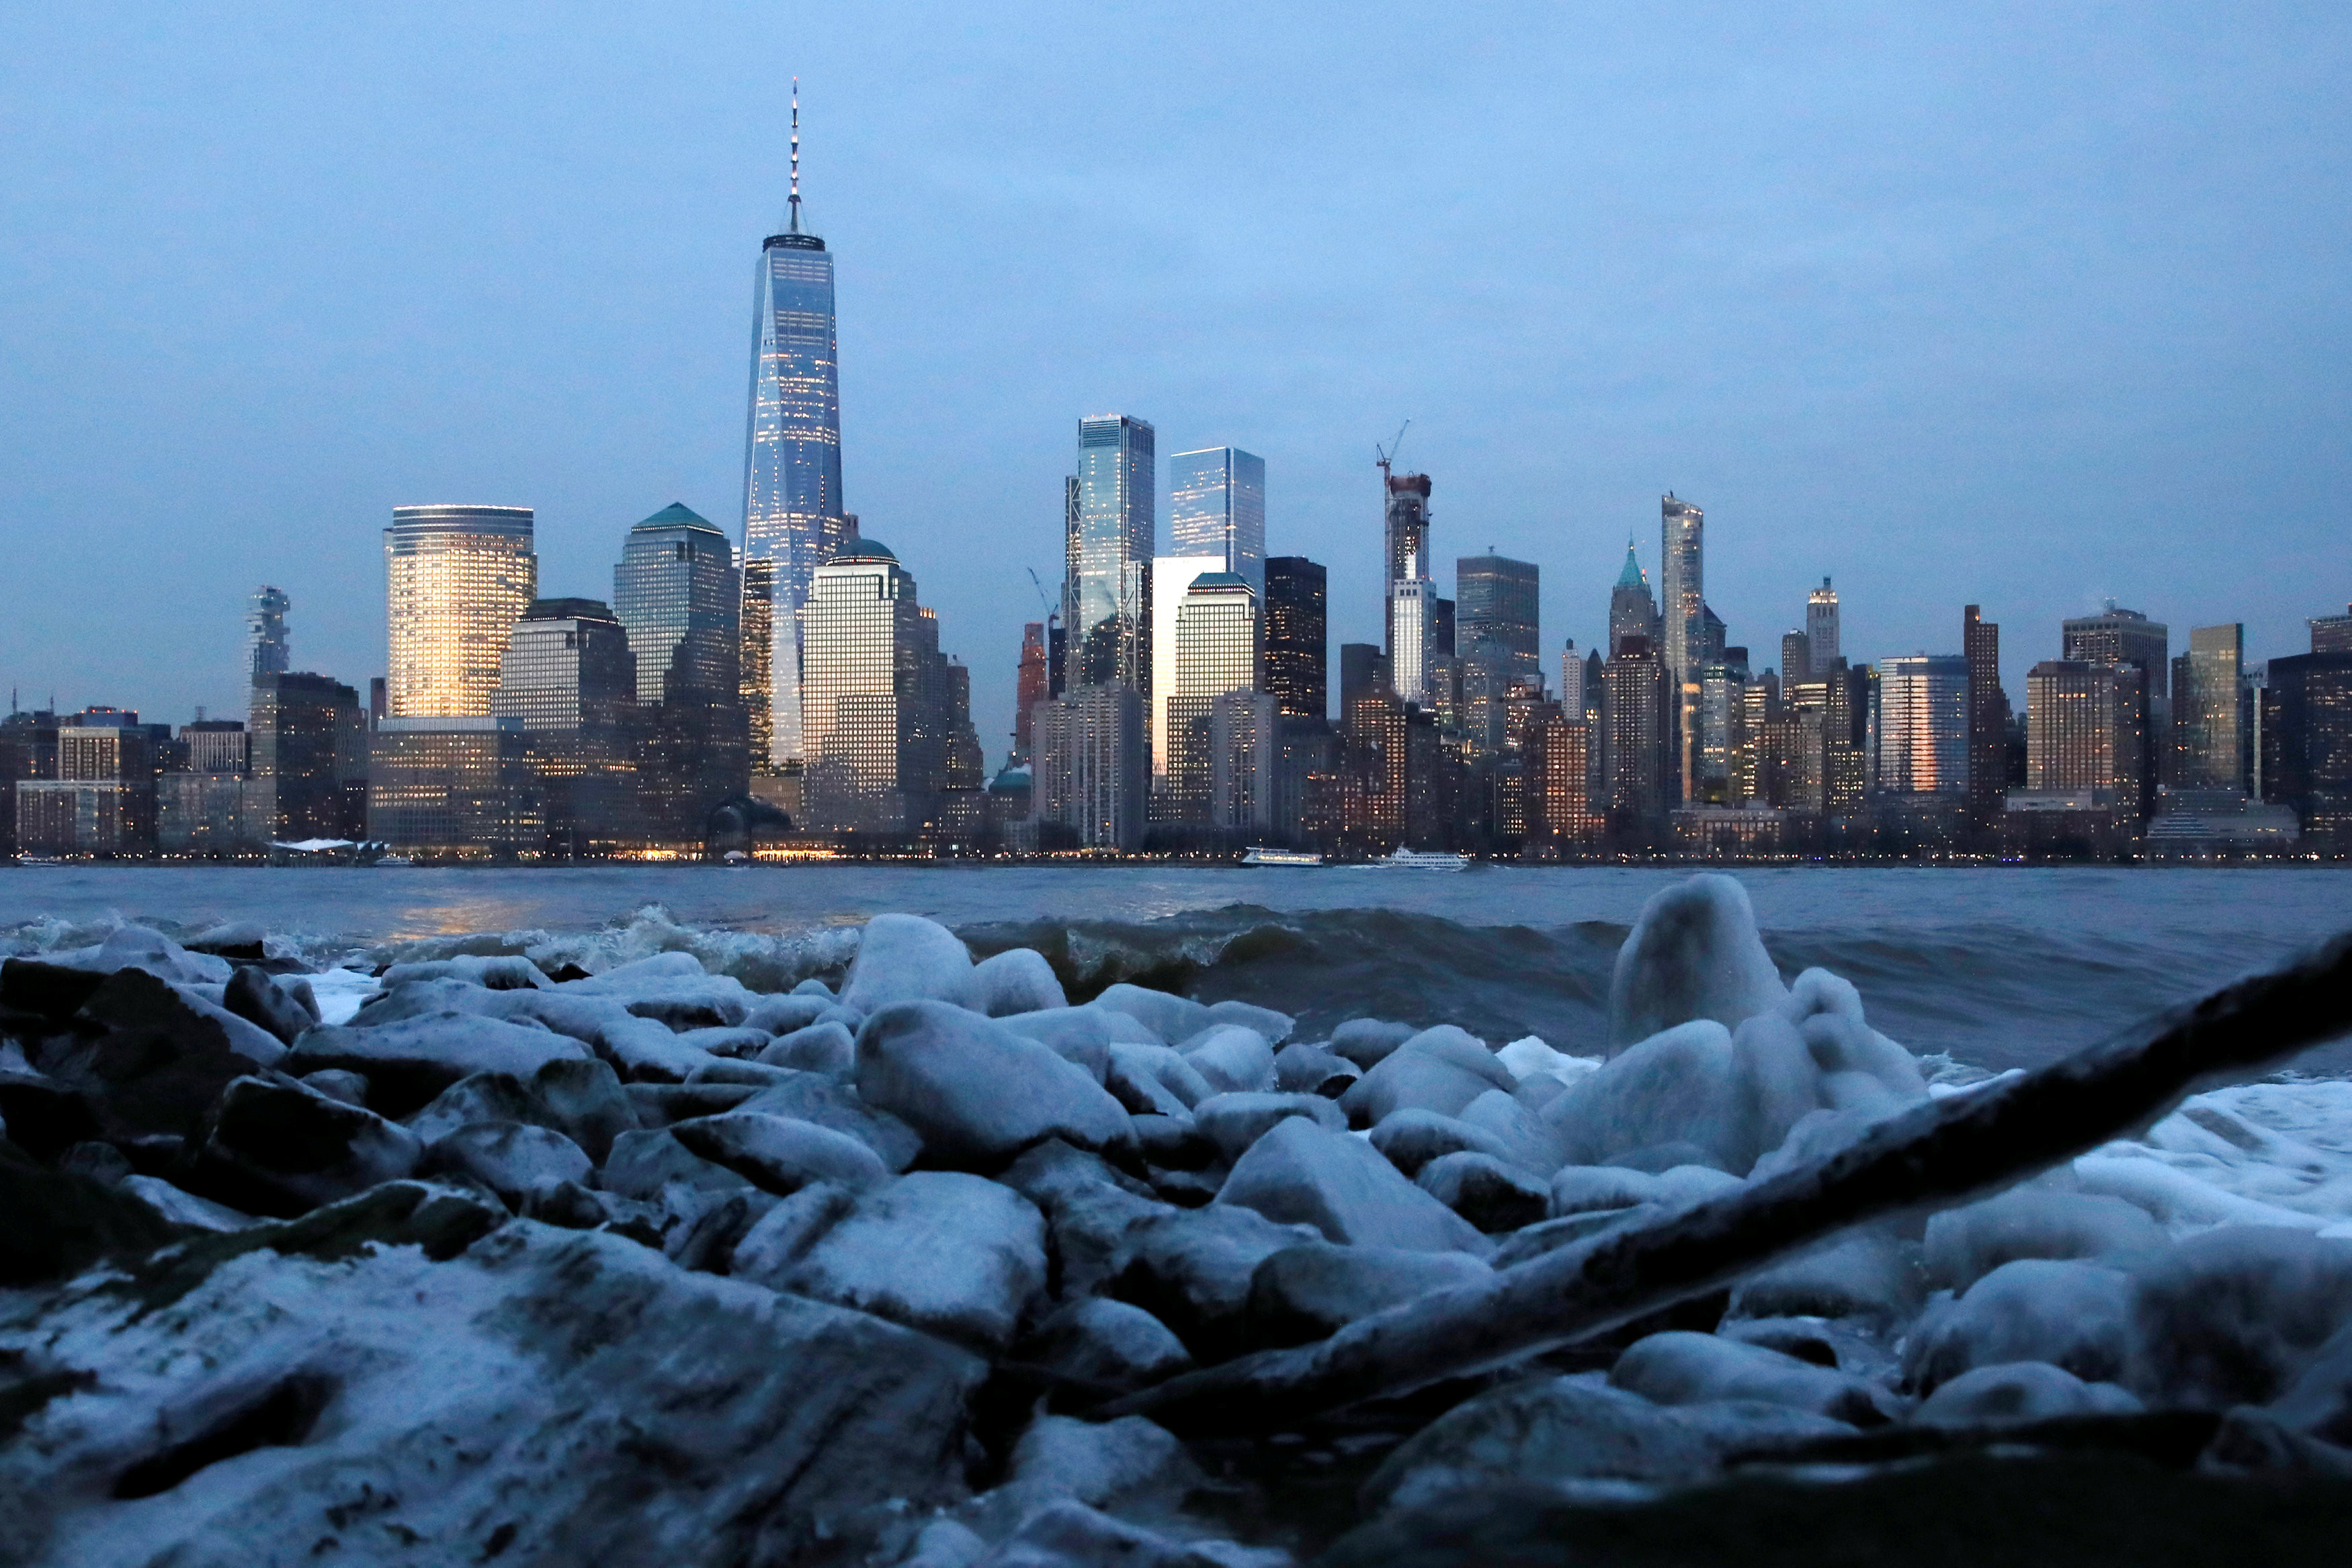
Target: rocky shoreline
930, 1267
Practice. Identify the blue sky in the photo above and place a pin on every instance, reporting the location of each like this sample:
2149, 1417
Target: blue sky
2023, 304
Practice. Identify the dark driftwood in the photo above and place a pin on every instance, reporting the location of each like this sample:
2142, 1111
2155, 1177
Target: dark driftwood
1933, 1155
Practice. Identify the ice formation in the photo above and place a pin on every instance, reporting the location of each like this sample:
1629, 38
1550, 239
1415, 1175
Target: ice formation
615, 1254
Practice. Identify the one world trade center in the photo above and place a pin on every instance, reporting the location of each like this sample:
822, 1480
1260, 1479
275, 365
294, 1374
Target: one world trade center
792, 517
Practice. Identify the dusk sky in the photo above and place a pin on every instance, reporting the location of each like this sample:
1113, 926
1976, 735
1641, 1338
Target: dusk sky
2030, 304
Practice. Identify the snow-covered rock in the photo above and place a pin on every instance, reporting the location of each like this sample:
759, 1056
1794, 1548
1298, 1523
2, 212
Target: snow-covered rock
254, 994
186, 1208
1367, 1042
1678, 1087
1965, 1244
521, 1164
1413, 1137
1234, 1121
275, 1147
815, 1047
144, 949
1441, 1070
780, 1153
1017, 980
907, 958
408, 1062
1088, 1208
2318, 1403
1303, 1069
2232, 1316
783, 1014
1107, 1345
815, 1097
1106, 1464
2074, 1315
643, 1163
1174, 1018
977, 1092
2020, 1391
479, 1097
1867, 1274
1148, 1078
1082, 1035
1682, 1368
492, 972
1579, 1189
1232, 1059
1191, 1269
1693, 954
1307, 1292
1301, 1173
1529, 1144
335, 1084
1275, 1026
1491, 1194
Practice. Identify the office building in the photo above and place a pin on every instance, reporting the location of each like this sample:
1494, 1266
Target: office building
2083, 732
1217, 505
679, 597
1920, 729
793, 510
266, 646
456, 578
1295, 648
2127, 637
310, 758
1364, 673
29, 750
1107, 590
1375, 774
200, 807
1243, 737
1031, 687
1633, 752
570, 682
755, 663
1214, 648
1682, 605
1498, 600
1988, 720
101, 799
2332, 633
457, 784
1412, 638
1632, 611
2207, 683
1405, 529
1089, 779
1796, 658
1561, 803
963, 766
2306, 741
1822, 648
1171, 576
874, 695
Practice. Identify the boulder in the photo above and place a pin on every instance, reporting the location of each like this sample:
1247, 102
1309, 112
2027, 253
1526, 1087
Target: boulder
977, 1092
1303, 1069
585, 1102
1566, 1230
643, 1163
782, 1015
1530, 1145
481, 1097
1681, 1086
1191, 1269
1529, 1057
1275, 1026
1232, 1121
177, 1207
1410, 1079
1079, 1034
780, 1153
1232, 1060
2318, 1401
1578, 1189
813, 1097
659, 1104
1170, 1141
728, 1044
947, 1253
1682, 1368
1126, 1463
1867, 1274
2232, 1316
816, 1047
521, 1164
757, 1074
335, 1084
1172, 1018
1965, 1244
1018, 980
492, 972
152, 1055
2071, 1315
1368, 1041
1088, 1207
1314, 1289
1410, 1138
1153, 1080
1299, 1172
57, 1223
1105, 1345
144, 949
907, 958
254, 995
2020, 1391
1491, 1194
1693, 954
273, 1147
409, 1062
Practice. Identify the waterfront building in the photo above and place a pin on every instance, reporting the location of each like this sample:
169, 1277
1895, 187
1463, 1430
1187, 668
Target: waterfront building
1562, 802
1107, 589
2207, 684
1412, 635
310, 758
1089, 779
1404, 534
264, 632
200, 807
571, 681
1499, 602
1307, 796
876, 693
2308, 742
1988, 720
29, 750
100, 798
1171, 576
755, 665
1632, 611
1822, 647
679, 597
1363, 673
1031, 687
456, 578
1795, 659
1214, 649
1919, 727
793, 510
1241, 734
453, 783
1375, 774
1682, 609
2083, 732
2127, 637
1633, 754
1217, 505
1295, 655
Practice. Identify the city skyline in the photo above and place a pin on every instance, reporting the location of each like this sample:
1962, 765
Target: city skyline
1821, 444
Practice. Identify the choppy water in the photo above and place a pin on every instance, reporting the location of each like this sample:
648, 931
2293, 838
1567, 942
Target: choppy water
2001, 967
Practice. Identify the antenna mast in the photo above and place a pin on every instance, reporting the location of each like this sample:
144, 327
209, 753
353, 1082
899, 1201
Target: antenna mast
796, 155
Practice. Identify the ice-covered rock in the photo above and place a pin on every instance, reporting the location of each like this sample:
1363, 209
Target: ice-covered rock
254, 994
1017, 980
1530, 1057
521, 1163
275, 1147
1301, 1173
2231, 1317
145, 949
335, 1084
1104, 1464
301, 1389
1491, 1194
1308, 1291
1191, 1269
1232, 1059
492, 972
814, 1097
1413, 1137
1548, 1430
721, 1040
780, 1153
643, 1163
1579, 1189
816, 1047
660, 1104
783, 1014
1868, 1274
1693, 954
2074, 1315
1682, 1368
1275, 1026
1148, 1078
907, 958
1082, 1035
2020, 1391
585, 1102
2318, 1403
728, 1070
1681, 1086
1441, 1070
1965, 1244
1567, 1229
1234, 1121
1067, 1533
976, 1092
1104, 1344
1174, 1018
186, 1209
408, 1062
1088, 1207
1531, 1146
1368, 1041
479, 1097
941, 1251
1303, 1069
150, 1056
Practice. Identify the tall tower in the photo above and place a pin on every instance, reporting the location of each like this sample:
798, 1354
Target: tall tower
678, 596
1108, 607
792, 449
456, 578
1987, 719
1632, 612
1821, 630
1217, 505
1404, 538
264, 632
1295, 649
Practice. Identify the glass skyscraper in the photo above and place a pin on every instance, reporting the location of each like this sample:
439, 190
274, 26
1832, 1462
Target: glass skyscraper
1920, 732
1217, 505
457, 580
1107, 606
792, 512
677, 594
1497, 601
264, 632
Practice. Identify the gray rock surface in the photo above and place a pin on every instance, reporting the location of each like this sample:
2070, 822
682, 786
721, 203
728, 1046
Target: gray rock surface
1106, 1344
1232, 1121
780, 1153
273, 1147
907, 958
1304, 1174
408, 1062
521, 1164
947, 1253
1315, 1289
977, 1092
1494, 1195
1682, 1368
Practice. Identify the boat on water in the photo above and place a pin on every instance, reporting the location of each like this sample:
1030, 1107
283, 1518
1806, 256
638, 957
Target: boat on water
1402, 859
1261, 854
395, 860
40, 859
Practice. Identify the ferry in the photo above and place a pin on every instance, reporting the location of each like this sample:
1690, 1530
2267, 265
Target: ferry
1403, 859
1261, 854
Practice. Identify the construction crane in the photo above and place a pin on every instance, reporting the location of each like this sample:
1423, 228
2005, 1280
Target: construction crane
1042, 602
1387, 460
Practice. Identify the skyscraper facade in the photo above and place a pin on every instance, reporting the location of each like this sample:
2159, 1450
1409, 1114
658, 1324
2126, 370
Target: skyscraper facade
1498, 600
875, 690
2306, 742
264, 632
1107, 596
1404, 547
1171, 576
570, 682
1921, 731
677, 594
1295, 638
792, 512
1988, 720
457, 580
1632, 609
1032, 685
1681, 610
2082, 734
1413, 637
1822, 638
1089, 779
308, 736
1216, 645
2207, 682
1217, 505
2127, 637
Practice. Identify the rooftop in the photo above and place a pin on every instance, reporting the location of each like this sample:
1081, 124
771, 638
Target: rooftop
677, 515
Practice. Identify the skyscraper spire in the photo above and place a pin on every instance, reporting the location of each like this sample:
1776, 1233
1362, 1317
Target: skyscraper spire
796, 155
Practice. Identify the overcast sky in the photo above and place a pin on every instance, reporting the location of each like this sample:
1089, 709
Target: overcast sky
2026, 305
